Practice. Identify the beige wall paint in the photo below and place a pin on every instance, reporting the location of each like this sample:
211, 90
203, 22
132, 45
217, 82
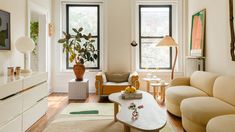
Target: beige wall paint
217, 34
119, 35
17, 8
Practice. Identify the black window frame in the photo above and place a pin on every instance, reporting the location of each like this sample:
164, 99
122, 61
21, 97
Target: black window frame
97, 36
157, 37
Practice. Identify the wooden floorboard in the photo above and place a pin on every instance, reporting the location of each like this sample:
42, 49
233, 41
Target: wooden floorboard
58, 101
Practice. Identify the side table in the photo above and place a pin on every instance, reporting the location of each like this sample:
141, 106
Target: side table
78, 89
148, 80
159, 91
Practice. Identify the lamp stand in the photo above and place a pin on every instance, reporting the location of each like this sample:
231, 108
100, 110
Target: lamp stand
173, 66
26, 65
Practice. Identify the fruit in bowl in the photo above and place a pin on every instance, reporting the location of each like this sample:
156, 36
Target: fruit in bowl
130, 89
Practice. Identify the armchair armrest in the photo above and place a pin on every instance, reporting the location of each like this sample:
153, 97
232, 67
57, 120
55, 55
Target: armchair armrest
180, 81
98, 82
134, 80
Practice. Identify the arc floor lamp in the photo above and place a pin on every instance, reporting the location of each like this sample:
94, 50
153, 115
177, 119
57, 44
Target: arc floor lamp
168, 41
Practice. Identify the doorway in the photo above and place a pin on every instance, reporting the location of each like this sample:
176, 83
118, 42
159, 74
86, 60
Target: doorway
37, 30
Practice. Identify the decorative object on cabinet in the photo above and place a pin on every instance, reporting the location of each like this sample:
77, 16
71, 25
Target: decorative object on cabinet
80, 49
197, 42
168, 41
5, 31
232, 43
25, 45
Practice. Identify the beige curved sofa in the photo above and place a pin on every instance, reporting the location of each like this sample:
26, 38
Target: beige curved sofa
199, 84
196, 112
225, 123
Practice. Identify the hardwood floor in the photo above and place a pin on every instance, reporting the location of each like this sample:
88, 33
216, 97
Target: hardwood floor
58, 101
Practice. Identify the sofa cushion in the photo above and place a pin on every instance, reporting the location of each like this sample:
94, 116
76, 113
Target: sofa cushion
204, 81
177, 93
116, 84
225, 123
174, 96
117, 77
224, 89
201, 109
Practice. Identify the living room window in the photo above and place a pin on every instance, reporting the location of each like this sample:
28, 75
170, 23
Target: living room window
155, 21
88, 17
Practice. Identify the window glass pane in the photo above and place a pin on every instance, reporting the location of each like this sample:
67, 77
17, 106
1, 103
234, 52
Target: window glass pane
89, 64
154, 21
82, 16
152, 56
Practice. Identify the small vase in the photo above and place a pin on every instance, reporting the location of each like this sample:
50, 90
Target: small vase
79, 70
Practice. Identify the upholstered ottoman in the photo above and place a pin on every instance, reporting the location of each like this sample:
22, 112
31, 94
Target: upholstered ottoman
224, 123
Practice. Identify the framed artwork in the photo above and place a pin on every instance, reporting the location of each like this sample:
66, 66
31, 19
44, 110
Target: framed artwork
5, 35
197, 41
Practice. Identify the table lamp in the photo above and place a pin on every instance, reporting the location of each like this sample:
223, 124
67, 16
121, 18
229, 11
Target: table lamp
25, 45
168, 41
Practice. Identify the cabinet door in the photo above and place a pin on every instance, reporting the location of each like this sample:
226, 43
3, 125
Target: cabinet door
34, 79
13, 126
31, 96
10, 108
34, 113
10, 88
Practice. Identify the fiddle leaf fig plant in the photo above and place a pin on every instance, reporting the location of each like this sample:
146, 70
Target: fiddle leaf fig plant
80, 47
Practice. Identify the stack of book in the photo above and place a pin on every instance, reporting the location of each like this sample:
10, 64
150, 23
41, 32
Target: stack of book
136, 95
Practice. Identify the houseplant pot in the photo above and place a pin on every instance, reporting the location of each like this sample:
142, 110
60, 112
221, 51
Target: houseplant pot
79, 70
80, 49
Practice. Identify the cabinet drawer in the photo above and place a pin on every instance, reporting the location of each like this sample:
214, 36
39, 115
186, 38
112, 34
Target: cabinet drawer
10, 88
31, 96
34, 79
34, 113
10, 108
13, 126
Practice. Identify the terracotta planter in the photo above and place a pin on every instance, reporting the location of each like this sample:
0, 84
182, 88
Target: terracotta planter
79, 70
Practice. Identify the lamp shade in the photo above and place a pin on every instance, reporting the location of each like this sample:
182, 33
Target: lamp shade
167, 41
24, 44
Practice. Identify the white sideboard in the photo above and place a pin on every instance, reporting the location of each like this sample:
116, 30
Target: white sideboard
23, 100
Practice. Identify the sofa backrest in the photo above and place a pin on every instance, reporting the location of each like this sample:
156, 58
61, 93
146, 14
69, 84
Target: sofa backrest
224, 89
203, 81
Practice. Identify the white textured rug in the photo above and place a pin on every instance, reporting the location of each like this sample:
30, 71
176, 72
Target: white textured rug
102, 122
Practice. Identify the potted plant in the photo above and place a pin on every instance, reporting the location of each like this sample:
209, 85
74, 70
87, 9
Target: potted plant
80, 48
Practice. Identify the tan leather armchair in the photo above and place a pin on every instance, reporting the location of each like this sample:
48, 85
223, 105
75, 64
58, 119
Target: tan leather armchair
106, 87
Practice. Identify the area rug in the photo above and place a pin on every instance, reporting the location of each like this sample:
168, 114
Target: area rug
101, 122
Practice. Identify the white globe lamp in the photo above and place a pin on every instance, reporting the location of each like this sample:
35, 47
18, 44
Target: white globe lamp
25, 45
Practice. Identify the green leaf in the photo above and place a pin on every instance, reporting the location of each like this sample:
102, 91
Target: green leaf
75, 30
80, 29
95, 56
61, 40
92, 40
65, 34
81, 60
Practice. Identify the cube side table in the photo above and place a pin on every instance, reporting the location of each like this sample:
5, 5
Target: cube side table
78, 89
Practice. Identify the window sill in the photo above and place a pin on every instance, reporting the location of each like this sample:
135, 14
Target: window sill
88, 70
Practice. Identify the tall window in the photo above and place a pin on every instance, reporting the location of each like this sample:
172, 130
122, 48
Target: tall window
86, 16
154, 23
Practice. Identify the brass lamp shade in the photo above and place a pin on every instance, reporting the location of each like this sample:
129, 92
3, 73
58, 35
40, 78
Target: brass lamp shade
168, 41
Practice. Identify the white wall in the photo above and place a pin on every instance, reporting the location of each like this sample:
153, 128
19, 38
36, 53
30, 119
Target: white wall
217, 34
17, 9
119, 35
